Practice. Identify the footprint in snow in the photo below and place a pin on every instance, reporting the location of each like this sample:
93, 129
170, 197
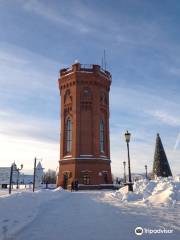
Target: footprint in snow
15, 221
5, 220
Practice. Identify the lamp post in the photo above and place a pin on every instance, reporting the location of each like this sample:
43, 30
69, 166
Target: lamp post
124, 164
10, 181
34, 175
14, 167
127, 139
146, 171
18, 169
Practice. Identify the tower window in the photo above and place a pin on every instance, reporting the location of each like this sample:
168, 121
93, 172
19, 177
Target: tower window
68, 135
86, 94
101, 136
67, 97
103, 98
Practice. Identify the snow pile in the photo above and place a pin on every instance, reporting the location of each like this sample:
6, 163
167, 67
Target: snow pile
162, 191
19, 209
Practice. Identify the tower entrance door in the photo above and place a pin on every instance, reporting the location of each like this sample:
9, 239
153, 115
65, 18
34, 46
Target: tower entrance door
105, 178
86, 179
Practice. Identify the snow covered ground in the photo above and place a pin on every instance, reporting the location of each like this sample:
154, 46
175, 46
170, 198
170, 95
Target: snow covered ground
19, 209
93, 215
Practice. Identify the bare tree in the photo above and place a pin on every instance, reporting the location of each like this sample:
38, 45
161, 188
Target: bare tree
49, 177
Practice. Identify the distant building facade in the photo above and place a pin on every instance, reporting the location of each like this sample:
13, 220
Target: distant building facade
84, 139
28, 179
5, 176
22, 178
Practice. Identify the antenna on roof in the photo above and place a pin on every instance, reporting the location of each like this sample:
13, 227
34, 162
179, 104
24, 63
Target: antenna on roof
105, 65
103, 60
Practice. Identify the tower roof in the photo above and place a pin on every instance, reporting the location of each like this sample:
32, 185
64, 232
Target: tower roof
85, 68
39, 166
160, 166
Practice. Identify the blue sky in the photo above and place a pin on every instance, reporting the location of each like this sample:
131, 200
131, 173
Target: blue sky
141, 39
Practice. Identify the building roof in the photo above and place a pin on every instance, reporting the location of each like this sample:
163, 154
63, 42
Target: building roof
39, 166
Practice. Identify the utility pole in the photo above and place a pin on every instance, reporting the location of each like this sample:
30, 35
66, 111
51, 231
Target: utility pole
10, 181
34, 176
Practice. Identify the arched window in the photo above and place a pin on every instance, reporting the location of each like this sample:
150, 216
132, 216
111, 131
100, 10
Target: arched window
103, 98
67, 97
101, 133
68, 135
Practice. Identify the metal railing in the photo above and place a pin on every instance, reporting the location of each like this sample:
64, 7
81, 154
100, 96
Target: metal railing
87, 66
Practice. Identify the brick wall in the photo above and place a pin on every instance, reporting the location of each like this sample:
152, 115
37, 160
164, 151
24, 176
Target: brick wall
85, 100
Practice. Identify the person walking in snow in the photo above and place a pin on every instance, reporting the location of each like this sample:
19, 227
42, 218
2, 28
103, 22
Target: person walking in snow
72, 186
76, 185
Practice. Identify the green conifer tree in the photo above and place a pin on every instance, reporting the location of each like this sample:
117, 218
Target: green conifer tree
161, 166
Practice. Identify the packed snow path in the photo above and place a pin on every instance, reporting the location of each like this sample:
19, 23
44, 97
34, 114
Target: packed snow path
88, 215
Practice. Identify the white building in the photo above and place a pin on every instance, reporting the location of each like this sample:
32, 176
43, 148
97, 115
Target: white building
177, 177
39, 174
28, 179
5, 175
23, 178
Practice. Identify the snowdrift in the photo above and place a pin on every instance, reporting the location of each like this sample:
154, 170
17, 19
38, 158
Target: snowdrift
162, 191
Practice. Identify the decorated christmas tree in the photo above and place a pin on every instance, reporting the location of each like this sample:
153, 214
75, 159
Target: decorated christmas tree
161, 166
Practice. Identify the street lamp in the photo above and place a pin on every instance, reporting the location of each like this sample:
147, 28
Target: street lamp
34, 175
124, 164
14, 167
146, 171
18, 169
127, 139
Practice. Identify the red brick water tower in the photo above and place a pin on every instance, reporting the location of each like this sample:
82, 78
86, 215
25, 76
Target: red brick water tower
84, 138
